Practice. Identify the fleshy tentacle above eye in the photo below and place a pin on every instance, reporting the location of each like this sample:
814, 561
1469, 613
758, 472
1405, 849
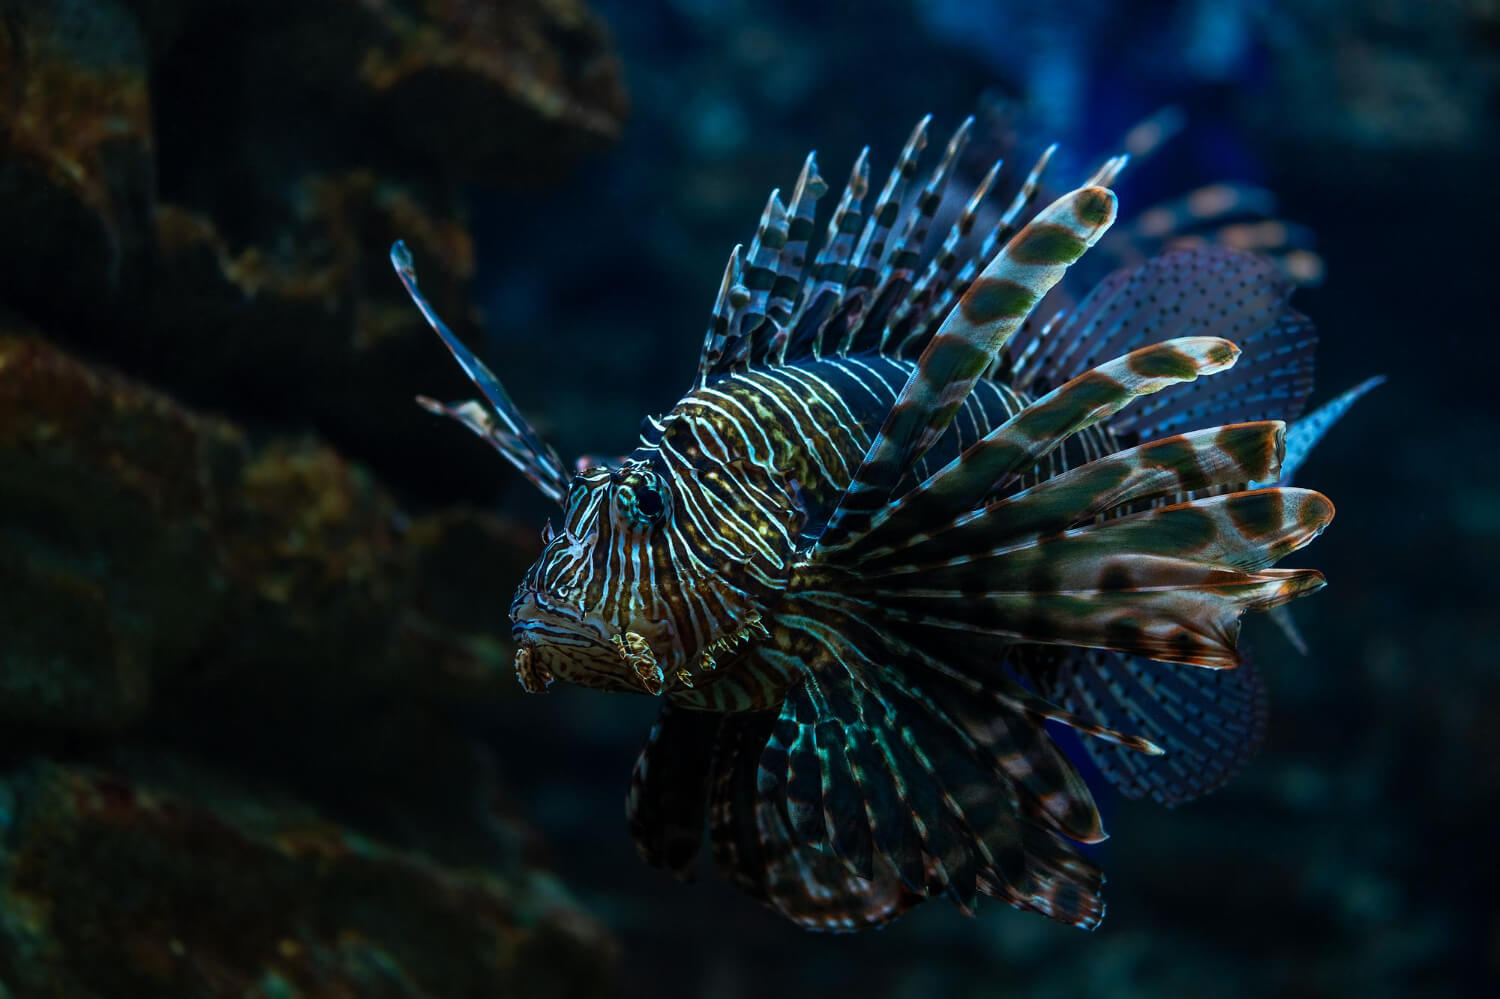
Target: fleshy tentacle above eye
502, 425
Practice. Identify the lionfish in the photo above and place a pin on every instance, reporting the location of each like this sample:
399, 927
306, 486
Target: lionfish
905, 520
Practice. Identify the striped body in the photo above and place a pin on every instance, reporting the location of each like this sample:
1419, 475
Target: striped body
892, 531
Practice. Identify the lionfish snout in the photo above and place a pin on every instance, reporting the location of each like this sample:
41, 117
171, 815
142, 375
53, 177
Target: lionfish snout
557, 639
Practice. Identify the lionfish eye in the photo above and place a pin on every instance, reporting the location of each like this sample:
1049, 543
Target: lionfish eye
640, 498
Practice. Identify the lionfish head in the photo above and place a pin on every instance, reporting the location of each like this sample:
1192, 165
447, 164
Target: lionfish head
579, 615
661, 572
664, 563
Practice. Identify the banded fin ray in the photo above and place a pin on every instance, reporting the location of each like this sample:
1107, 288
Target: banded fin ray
1244, 531
1195, 622
1018, 444
754, 846
965, 346
952, 829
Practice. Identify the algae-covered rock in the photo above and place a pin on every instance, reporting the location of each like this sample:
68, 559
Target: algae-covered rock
205, 194
207, 452
111, 887
77, 157
109, 500
146, 547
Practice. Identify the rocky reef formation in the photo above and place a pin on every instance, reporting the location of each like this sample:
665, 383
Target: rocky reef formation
251, 894
249, 644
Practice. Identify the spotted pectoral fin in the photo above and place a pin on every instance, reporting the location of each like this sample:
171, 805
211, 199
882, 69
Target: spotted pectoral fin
1209, 723
1168, 583
666, 806
1205, 291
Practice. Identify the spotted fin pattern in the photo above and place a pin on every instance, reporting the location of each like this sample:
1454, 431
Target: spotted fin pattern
991, 463
1208, 292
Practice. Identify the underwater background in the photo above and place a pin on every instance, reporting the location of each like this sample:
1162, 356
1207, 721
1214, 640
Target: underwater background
259, 730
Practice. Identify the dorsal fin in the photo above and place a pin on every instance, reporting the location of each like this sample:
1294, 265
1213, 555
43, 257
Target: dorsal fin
831, 269
859, 292
920, 329
966, 344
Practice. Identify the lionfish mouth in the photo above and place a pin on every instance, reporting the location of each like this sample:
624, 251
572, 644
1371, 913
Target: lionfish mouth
544, 634
629, 652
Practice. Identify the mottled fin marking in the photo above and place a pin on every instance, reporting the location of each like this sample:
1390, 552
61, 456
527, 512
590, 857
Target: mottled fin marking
716, 337
870, 255
963, 347
1184, 544
996, 459
760, 276
793, 258
1202, 460
1168, 582
906, 253
1181, 612
858, 294
512, 436
922, 328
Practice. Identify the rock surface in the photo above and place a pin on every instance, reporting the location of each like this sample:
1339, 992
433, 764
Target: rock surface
146, 546
116, 887
242, 688
206, 193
